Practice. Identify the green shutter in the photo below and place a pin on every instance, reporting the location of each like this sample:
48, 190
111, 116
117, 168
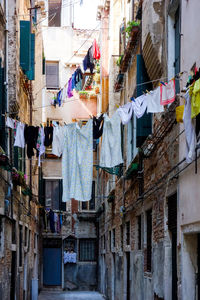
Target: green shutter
144, 124
41, 188
16, 157
43, 65
25, 45
31, 73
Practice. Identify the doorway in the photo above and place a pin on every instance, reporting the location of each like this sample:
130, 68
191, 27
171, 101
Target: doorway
128, 276
13, 276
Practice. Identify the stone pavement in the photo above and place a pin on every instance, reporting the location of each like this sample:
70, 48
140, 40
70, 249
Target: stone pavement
49, 295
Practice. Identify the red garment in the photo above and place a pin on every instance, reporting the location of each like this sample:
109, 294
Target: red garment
96, 51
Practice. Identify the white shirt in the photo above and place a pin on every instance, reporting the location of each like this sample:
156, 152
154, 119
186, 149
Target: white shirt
111, 148
153, 101
19, 138
189, 130
125, 112
139, 105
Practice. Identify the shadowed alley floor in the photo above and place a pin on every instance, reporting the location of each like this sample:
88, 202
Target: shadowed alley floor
70, 296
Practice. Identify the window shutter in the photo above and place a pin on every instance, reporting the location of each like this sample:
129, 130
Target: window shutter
177, 48
43, 66
3, 137
62, 204
31, 73
144, 124
25, 45
41, 190
16, 158
52, 75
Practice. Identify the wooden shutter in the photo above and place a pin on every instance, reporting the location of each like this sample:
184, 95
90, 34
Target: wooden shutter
41, 189
31, 73
25, 45
62, 204
144, 124
52, 75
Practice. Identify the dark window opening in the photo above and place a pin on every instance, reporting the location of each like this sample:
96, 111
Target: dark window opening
122, 237
13, 232
20, 244
54, 17
113, 237
53, 194
128, 233
87, 250
149, 239
139, 219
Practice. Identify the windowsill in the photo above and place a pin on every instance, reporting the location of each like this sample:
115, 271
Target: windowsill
87, 262
53, 89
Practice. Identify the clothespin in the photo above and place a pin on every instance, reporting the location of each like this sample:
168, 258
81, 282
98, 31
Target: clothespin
117, 105
132, 99
148, 92
162, 83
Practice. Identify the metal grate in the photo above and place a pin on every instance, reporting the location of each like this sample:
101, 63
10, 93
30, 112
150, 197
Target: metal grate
87, 250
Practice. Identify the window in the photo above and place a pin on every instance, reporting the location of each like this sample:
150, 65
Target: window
52, 75
53, 194
149, 238
54, 18
128, 233
20, 244
26, 237
139, 222
1, 234
87, 250
13, 232
110, 240
177, 47
113, 238
122, 237
90, 205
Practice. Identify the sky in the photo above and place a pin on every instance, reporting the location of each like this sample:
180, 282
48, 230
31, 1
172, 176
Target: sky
85, 14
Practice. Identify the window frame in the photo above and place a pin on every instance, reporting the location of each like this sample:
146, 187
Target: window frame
52, 21
94, 258
56, 76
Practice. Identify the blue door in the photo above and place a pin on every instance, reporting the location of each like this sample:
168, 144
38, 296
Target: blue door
52, 266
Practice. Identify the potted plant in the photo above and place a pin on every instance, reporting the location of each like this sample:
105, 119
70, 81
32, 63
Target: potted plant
93, 96
15, 177
83, 95
130, 26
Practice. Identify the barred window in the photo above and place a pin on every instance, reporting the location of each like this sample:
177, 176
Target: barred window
87, 250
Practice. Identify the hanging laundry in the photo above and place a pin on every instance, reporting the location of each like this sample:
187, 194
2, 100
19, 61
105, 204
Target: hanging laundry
195, 98
58, 226
31, 136
40, 144
139, 105
96, 51
64, 95
48, 131
97, 127
19, 138
88, 83
125, 112
77, 161
69, 257
58, 137
88, 62
73, 81
69, 89
78, 76
189, 129
167, 92
59, 98
78, 86
111, 151
154, 102
10, 123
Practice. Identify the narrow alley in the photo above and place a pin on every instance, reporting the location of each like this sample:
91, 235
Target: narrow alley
99, 150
